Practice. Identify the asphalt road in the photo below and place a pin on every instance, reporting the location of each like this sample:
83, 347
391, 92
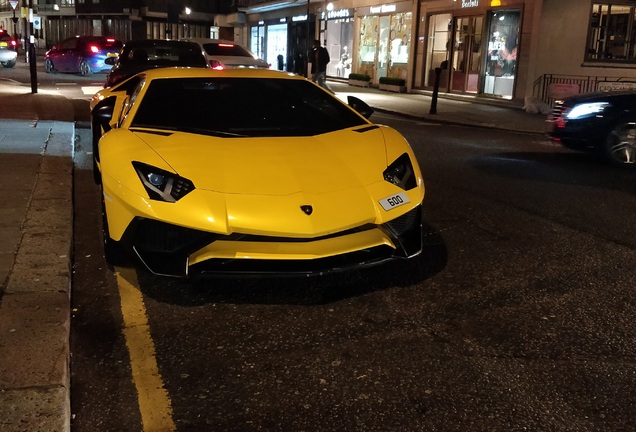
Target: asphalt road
520, 317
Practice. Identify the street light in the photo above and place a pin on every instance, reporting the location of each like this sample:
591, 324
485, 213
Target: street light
56, 8
186, 25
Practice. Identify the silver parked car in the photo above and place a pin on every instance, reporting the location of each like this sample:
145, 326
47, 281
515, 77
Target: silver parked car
224, 54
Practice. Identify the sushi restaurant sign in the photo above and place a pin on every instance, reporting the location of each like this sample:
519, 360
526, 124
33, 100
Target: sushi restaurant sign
470, 3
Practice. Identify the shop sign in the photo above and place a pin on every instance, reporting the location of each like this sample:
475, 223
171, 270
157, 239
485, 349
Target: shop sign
616, 86
383, 9
470, 3
563, 90
299, 18
336, 14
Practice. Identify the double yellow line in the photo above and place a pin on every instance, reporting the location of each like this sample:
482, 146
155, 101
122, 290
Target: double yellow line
154, 403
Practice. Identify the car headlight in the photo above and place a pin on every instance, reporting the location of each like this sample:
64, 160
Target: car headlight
162, 185
401, 173
586, 110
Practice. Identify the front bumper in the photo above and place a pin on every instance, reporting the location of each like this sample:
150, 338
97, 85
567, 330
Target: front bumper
170, 250
7, 55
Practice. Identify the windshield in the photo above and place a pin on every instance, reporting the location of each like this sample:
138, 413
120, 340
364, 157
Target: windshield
162, 53
251, 107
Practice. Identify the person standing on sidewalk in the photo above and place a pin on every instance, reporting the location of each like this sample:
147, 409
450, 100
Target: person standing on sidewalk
319, 60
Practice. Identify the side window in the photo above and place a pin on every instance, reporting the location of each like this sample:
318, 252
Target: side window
69, 44
130, 102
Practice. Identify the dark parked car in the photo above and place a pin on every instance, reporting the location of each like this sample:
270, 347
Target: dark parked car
604, 123
82, 54
140, 55
8, 49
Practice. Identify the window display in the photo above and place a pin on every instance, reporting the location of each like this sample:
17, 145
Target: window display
501, 60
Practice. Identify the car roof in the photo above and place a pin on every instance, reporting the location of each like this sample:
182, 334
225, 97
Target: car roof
181, 72
207, 40
152, 42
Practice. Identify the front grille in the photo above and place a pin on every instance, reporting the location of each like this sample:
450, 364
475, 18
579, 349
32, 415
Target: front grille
155, 236
405, 222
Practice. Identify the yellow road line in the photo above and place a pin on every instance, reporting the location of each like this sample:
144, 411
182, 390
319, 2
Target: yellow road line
154, 402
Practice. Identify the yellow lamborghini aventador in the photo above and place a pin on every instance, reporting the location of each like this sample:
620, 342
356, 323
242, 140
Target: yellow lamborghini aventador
250, 171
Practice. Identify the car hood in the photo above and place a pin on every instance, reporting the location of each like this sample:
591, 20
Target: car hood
275, 165
601, 97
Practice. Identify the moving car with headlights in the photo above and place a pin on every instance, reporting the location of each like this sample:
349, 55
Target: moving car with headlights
223, 54
604, 123
8, 49
144, 54
84, 55
252, 171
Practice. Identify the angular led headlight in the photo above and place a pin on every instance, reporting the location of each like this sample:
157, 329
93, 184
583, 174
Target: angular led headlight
401, 173
586, 110
162, 185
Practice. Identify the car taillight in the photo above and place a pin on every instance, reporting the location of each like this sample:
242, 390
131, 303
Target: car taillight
216, 65
94, 49
14, 43
110, 40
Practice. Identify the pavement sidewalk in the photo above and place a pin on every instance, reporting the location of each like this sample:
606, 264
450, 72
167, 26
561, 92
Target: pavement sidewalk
37, 135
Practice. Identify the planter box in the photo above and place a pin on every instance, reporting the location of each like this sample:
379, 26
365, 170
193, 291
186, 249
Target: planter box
393, 88
358, 83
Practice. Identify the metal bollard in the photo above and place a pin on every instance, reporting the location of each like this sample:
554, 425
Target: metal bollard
438, 73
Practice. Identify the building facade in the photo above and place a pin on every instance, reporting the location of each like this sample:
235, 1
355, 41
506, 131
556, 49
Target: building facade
501, 49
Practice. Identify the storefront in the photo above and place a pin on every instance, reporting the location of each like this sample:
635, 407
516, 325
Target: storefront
336, 33
385, 40
282, 42
473, 44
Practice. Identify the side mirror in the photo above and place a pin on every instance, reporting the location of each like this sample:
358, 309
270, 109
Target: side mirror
110, 61
360, 106
103, 112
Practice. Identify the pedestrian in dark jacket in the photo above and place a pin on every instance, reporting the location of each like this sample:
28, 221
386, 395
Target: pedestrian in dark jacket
319, 60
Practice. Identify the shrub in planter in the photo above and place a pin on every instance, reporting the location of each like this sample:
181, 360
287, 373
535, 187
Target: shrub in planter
359, 80
393, 81
359, 77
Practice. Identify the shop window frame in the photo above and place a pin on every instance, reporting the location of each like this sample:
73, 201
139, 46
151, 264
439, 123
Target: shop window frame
611, 37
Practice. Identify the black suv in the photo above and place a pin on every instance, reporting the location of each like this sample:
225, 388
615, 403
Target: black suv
143, 54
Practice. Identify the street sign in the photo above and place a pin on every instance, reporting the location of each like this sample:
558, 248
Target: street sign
37, 23
13, 3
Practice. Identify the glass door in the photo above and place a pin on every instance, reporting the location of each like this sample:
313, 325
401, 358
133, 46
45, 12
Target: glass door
467, 54
383, 47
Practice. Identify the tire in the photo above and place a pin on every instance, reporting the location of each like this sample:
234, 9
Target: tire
620, 145
48, 66
9, 64
85, 68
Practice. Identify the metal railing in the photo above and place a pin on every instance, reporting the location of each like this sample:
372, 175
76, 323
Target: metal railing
544, 85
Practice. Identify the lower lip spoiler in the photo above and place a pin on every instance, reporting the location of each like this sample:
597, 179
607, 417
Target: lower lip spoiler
400, 238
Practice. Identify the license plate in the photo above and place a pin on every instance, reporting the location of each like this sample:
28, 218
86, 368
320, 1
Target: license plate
394, 201
111, 55
3, 44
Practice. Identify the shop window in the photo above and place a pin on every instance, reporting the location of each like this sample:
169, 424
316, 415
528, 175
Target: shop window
612, 33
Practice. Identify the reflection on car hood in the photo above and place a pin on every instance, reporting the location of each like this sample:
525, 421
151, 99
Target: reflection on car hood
275, 166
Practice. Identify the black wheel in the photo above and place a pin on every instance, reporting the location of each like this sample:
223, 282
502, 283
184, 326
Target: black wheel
113, 253
9, 64
85, 68
620, 145
48, 66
